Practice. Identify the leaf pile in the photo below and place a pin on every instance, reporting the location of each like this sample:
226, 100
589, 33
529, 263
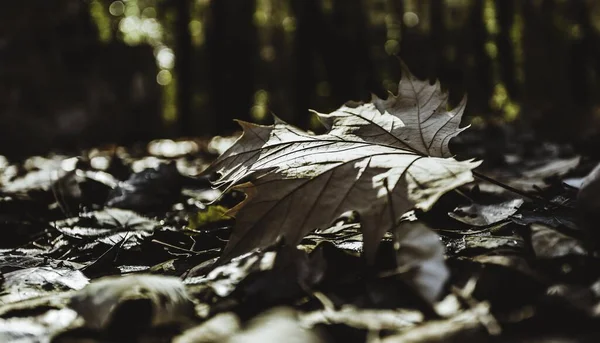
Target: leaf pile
129, 244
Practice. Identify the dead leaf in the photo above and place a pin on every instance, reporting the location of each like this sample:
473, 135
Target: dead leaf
263, 276
109, 226
33, 282
548, 243
149, 190
484, 215
588, 198
420, 252
380, 158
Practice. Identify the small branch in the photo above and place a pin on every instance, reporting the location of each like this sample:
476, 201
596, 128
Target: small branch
517, 191
175, 247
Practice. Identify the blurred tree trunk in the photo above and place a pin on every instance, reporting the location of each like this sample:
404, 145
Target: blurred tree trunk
309, 21
231, 41
411, 47
475, 60
349, 66
436, 39
183, 68
340, 42
583, 50
505, 10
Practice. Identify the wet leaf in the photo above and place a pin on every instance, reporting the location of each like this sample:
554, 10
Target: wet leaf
149, 190
484, 215
11, 260
109, 226
343, 236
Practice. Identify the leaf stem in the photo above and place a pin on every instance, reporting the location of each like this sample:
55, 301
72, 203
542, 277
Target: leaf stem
503, 185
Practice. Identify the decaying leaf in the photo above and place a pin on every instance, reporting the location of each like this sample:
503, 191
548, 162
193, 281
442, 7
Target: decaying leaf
380, 159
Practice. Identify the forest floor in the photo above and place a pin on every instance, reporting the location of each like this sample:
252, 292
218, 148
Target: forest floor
521, 262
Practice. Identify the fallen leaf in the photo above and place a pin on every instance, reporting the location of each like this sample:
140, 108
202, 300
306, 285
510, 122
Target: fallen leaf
588, 200
33, 282
547, 243
109, 226
12, 260
479, 244
212, 214
530, 178
484, 215
149, 190
262, 276
420, 252
380, 159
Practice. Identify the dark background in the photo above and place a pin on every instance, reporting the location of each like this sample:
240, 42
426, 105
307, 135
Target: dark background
77, 73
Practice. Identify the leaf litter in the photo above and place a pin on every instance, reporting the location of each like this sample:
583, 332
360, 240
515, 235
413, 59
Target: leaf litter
372, 231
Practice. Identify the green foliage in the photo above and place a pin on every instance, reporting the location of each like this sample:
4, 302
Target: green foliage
212, 214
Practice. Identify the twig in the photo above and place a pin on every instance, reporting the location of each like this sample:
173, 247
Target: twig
174, 247
517, 191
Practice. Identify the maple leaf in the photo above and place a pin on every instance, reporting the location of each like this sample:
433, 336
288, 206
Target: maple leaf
380, 159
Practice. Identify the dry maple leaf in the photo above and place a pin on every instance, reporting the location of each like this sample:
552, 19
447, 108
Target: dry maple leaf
381, 159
